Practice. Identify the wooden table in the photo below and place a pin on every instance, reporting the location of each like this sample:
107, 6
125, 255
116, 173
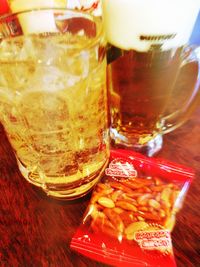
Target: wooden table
36, 230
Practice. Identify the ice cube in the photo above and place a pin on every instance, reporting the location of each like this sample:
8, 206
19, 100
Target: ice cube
38, 21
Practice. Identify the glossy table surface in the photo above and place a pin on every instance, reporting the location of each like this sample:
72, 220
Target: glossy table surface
36, 230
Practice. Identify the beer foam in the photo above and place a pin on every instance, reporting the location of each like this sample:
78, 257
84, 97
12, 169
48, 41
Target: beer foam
143, 24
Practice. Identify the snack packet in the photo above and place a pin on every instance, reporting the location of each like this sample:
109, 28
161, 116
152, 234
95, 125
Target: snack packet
132, 212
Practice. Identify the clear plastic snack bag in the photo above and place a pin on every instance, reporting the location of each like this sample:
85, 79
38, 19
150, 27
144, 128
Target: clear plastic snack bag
132, 212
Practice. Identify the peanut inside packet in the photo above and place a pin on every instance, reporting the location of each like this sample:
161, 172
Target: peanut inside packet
132, 212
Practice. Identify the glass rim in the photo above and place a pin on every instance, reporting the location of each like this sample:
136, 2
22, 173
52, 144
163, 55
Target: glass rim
84, 14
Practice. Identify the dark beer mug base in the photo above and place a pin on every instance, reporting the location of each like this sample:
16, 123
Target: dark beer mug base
152, 145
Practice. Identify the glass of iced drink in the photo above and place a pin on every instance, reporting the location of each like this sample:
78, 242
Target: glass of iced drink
152, 73
53, 101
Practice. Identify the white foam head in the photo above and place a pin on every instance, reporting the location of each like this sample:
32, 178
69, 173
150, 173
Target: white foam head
139, 24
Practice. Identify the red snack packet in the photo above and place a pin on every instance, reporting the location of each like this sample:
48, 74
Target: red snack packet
132, 212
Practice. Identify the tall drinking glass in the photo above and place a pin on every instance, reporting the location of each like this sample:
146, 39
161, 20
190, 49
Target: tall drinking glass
53, 100
153, 75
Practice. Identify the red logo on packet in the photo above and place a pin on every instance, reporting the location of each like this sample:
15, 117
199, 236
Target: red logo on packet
121, 168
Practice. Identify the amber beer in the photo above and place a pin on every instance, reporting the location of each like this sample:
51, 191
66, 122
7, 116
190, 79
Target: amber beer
140, 86
144, 56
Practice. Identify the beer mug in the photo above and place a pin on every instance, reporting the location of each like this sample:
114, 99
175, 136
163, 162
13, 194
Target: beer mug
53, 99
152, 73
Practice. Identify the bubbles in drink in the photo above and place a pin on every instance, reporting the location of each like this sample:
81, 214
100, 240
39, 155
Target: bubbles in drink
54, 111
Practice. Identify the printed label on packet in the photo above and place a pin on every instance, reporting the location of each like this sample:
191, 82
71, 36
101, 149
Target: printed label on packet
121, 168
154, 240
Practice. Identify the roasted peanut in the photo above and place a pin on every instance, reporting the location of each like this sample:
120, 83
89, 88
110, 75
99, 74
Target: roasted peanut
133, 184
140, 218
154, 204
106, 202
121, 187
115, 195
150, 216
146, 189
102, 187
142, 200
115, 219
144, 181
158, 188
96, 197
129, 199
157, 181
125, 205
143, 208
134, 194
158, 197
118, 210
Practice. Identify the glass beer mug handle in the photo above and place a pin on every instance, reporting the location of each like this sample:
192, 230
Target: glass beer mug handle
185, 93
